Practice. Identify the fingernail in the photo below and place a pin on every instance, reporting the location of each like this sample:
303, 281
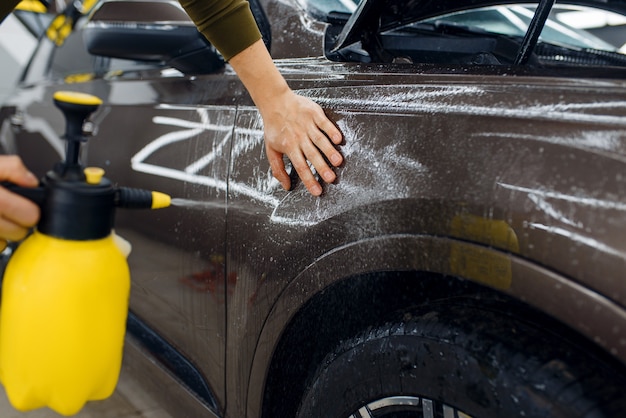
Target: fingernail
329, 176
335, 159
316, 190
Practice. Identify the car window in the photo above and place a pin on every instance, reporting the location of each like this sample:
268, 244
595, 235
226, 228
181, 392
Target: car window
322, 9
71, 58
564, 26
492, 35
578, 25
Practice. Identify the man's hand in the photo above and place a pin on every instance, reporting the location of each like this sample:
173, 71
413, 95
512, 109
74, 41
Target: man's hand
17, 214
297, 127
294, 125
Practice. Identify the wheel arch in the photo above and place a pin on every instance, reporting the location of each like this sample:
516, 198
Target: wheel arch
395, 272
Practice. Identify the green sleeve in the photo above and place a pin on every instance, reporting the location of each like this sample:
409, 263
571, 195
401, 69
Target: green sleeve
6, 7
227, 24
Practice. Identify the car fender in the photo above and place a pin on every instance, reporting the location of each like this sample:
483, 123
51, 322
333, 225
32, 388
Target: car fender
587, 312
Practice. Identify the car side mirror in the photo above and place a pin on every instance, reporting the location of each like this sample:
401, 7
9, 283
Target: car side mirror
150, 30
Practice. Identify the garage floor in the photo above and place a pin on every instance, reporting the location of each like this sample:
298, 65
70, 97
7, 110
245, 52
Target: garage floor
127, 401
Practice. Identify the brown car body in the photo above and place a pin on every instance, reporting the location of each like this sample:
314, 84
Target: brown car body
508, 183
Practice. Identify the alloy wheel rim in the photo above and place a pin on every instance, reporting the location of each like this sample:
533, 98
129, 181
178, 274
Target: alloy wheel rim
407, 406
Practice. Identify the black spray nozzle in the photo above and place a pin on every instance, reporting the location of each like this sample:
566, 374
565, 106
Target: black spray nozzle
130, 198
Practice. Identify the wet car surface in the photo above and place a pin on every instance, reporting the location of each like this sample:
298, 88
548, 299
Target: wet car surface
468, 261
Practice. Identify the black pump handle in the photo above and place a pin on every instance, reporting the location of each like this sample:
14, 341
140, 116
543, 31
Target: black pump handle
36, 194
76, 107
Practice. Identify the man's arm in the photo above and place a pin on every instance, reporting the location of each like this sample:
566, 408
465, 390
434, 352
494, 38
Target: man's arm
294, 125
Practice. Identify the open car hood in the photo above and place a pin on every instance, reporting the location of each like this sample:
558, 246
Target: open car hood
380, 15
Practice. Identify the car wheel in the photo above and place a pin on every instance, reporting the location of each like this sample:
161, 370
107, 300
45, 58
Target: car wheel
463, 361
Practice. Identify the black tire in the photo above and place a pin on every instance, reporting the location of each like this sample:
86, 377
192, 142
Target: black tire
463, 361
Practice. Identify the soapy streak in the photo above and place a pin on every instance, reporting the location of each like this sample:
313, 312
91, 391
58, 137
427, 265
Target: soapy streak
588, 201
539, 196
416, 100
189, 174
533, 112
578, 238
548, 209
604, 140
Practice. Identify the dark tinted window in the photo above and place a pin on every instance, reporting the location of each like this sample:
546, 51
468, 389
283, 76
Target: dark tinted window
71, 58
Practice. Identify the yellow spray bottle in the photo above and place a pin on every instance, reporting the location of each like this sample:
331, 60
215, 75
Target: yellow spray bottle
65, 289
